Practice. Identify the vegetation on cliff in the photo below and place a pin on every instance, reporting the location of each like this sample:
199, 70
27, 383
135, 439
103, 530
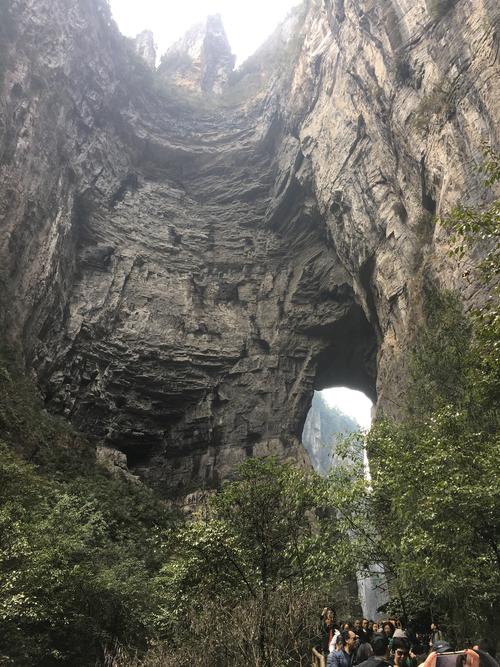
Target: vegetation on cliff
94, 567
431, 512
78, 546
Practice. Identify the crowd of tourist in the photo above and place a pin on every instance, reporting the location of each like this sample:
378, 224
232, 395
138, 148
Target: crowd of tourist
367, 643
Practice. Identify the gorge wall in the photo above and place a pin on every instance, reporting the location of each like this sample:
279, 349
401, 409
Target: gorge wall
324, 428
186, 254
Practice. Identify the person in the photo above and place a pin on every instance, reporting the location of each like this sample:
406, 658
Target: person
435, 634
473, 658
375, 628
343, 657
327, 629
336, 643
364, 652
400, 652
419, 645
360, 631
441, 646
380, 657
486, 645
485, 659
388, 629
401, 655
367, 629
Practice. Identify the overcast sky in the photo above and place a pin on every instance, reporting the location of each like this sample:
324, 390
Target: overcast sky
248, 22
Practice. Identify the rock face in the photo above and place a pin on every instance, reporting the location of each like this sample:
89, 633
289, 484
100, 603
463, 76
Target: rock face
202, 60
183, 270
323, 428
145, 47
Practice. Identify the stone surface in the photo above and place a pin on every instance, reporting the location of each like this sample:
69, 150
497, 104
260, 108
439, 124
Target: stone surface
181, 268
202, 60
145, 47
115, 462
324, 427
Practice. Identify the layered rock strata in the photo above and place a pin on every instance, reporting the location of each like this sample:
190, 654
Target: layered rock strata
183, 264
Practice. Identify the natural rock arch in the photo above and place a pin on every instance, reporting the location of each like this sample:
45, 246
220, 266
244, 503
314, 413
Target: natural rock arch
183, 271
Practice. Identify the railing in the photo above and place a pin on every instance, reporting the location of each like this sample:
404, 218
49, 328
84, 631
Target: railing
318, 659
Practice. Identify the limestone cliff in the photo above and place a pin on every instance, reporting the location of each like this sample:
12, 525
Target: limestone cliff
183, 264
146, 48
202, 60
324, 427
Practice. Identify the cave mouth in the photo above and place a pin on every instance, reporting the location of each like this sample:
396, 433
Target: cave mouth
345, 377
334, 414
349, 359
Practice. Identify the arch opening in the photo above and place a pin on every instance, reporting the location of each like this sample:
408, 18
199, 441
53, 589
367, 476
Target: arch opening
345, 378
334, 413
350, 358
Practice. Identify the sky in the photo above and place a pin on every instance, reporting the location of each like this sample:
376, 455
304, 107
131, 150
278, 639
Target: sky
352, 403
247, 24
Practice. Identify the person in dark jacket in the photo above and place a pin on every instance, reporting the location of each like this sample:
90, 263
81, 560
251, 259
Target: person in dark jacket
487, 645
380, 657
361, 631
368, 632
364, 652
343, 657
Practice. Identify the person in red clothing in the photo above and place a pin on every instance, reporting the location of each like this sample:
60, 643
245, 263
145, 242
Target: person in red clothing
328, 629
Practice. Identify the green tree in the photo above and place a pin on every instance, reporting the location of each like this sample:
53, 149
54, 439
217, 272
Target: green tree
431, 512
258, 547
75, 572
79, 548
